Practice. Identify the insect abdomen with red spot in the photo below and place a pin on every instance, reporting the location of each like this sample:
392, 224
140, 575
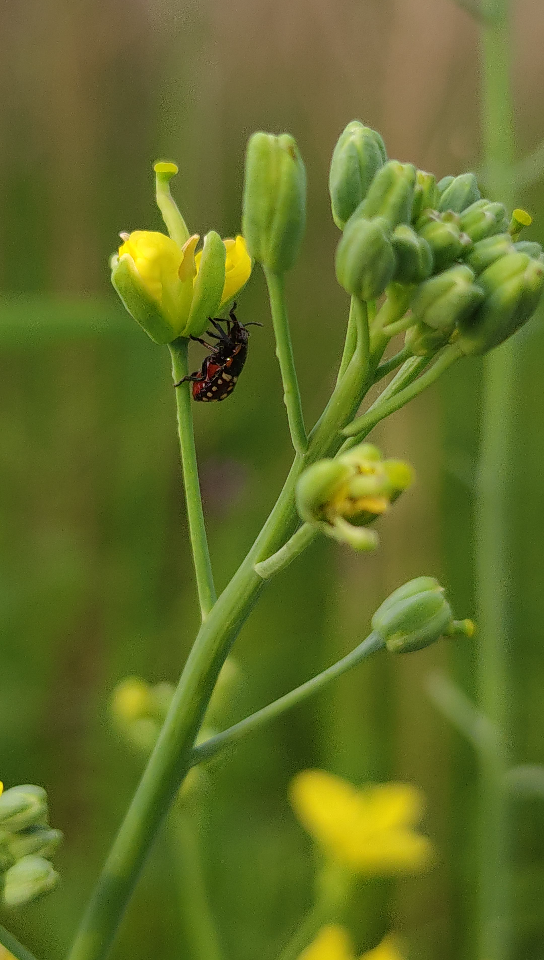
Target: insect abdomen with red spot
219, 372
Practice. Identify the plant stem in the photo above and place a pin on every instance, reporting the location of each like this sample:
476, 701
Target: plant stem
350, 342
384, 407
289, 552
197, 529
227, 738
183, 830
494, 478
11, 944
284, 353
333, 892
388, 365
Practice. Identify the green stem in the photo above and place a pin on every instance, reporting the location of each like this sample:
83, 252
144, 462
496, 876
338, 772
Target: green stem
386, 405
227, 738
183, 829
13, 946
170, 758
493, 488
350, 342
333, 892
284, 353
388, 365
286, 554
175, 224
197, 529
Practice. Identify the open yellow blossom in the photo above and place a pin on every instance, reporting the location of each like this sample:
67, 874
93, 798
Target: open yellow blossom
333, 943
369, 831
170, 290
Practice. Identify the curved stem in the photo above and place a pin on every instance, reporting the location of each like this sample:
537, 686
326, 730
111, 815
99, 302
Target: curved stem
384, 407
289, 552
227, 738
197, 529
284, 353
13, 946
350, 342
388, 365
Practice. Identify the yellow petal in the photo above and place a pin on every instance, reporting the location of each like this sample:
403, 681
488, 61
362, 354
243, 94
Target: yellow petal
1, 786
331, 943
388, 949
188, 268
156, 257
237, 268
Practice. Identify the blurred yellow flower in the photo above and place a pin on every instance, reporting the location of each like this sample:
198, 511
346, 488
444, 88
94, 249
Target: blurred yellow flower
1, 786
333, 943
369, 831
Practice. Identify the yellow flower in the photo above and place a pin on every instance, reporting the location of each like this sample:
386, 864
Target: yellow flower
237, 268
170, 290
369, 831
333, 943
1, 786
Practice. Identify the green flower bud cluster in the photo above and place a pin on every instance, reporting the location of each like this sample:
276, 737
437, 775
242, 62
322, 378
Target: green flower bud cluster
26, 844
342, 496
415, 615
473, 280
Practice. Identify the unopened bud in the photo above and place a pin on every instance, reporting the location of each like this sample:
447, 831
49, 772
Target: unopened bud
448, 298
486, 251
416, 615
274, 212
424, 341
40, 841
391, 194
426, 195
513, 286
343, 496
365, 261
483, 219
28, 879
446, 240
459, 194
358, 155
413, 254
444, 183
22, 807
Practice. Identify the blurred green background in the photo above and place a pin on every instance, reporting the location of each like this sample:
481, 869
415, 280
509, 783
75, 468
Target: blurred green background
96, 580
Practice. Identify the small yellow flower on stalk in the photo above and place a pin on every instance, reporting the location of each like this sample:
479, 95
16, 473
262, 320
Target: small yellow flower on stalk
167, 287
333, 943
369, 831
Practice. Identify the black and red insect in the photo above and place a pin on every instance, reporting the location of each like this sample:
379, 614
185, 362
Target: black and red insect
220, 370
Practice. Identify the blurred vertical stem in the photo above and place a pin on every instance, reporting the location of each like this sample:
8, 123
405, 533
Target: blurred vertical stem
284, 353
183, 829
197, 530
497, 454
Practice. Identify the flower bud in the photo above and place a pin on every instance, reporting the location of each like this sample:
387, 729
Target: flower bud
415, 615
365, 261
486, 251
424, 341
37, 840
28, 879
444, 183
426, 195
459, 194
446, 240
391, 194
483, 219
513, 287
22, 807
344, 495
358, 155
448, 298
413, 255
530, 247
274, 200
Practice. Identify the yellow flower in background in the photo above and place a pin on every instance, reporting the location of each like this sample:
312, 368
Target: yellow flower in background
333, 943
1, 786
369, 831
